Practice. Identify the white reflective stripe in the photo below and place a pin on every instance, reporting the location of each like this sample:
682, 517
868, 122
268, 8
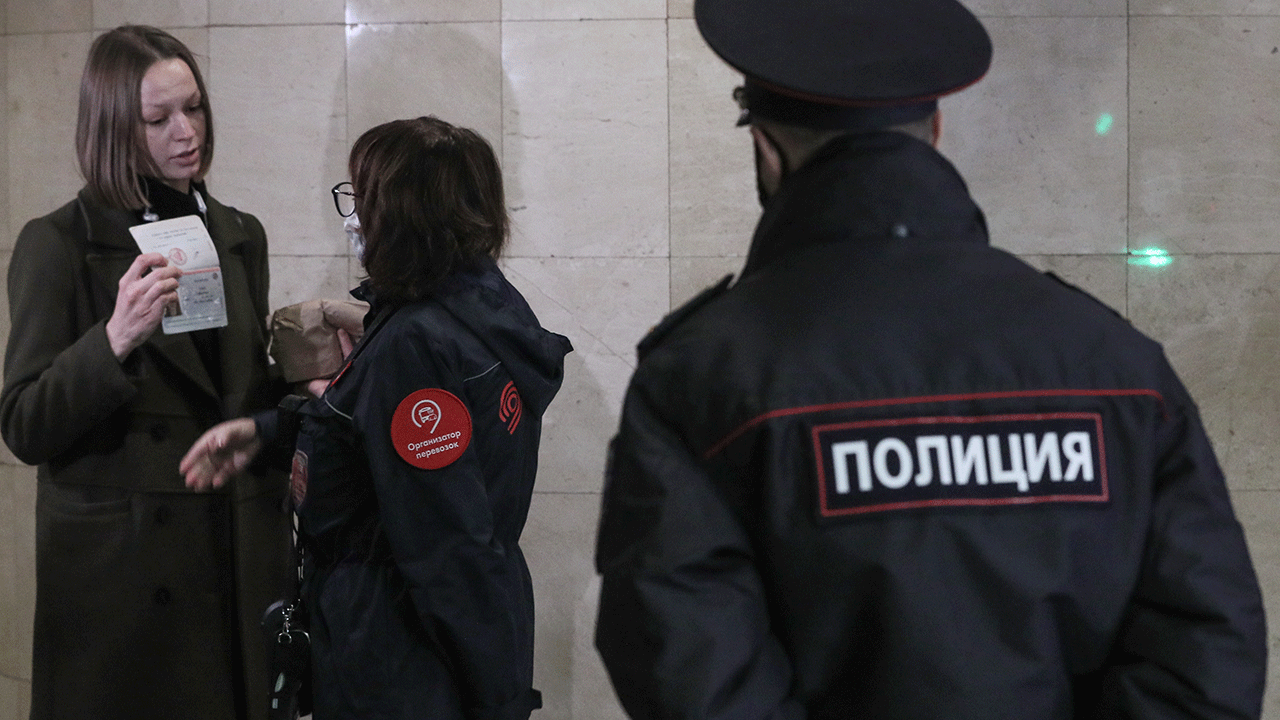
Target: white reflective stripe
970, 459
1076, 449
893, 481
937, 443
1015, 473
840, 453
1046, 454
486, 372
325, 397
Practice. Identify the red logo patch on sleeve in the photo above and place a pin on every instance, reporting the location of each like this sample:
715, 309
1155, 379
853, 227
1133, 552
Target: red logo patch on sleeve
510, 408
431, 428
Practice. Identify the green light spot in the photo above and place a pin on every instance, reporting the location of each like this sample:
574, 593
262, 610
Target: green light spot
1152, 257
1104, 123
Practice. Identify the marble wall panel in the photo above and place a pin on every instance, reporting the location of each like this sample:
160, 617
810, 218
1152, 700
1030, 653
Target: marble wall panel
585, 146
450, 70
42, 172
1218, 317
1046, 8
559, 543
281, 99
297, 278
197, 40
1205, 159
1257, 511
413, 11
714, 207
15, 699
6, 229
680, 8
604, 306
1204, 7
160, 13
1106, 277
1041, 140
692, 275
274, 12
583, 9
45, 16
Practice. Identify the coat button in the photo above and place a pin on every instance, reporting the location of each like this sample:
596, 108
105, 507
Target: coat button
163, 513
900, 231
162, 596
159, 432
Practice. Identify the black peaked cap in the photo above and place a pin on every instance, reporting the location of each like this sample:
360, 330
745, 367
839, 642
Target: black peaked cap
854, 53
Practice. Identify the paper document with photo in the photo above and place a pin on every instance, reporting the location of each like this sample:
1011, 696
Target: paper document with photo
185, 243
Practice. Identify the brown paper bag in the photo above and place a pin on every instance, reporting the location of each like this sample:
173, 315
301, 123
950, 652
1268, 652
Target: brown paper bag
304, 337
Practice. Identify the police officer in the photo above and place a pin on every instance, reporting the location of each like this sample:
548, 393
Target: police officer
893, 472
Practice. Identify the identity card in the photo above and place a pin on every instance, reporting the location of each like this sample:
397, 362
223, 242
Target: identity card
185, 242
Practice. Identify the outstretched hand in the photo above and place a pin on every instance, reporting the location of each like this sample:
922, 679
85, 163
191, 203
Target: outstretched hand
224, 450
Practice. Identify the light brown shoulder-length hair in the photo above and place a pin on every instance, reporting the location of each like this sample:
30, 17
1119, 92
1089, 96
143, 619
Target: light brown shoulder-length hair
430, 201
111, 139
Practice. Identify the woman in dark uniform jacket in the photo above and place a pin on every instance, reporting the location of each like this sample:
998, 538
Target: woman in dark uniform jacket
415, 468
148, 596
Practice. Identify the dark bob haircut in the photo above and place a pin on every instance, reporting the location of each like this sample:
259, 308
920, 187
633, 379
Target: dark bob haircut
430, 202
111, 139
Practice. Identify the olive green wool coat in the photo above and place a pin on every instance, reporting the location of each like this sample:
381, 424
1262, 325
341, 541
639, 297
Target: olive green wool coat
148, 596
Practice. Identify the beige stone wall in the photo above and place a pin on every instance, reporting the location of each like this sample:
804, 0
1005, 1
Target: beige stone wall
1105, 127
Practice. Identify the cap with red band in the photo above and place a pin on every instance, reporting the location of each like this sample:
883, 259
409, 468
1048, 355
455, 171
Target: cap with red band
431, 428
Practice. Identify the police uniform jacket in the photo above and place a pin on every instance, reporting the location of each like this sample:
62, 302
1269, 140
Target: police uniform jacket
895, 473
148, 596
416, 469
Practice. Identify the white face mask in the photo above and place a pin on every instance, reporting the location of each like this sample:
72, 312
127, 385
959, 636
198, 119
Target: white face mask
355, 236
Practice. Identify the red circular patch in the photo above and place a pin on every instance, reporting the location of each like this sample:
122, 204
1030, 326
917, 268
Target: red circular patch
431, 428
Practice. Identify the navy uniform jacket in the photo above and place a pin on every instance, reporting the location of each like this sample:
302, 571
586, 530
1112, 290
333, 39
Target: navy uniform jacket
419, 596
896, 473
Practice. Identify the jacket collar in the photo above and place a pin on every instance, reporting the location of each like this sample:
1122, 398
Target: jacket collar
867, 187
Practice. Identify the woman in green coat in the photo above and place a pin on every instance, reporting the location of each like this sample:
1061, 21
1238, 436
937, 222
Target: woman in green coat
148, 596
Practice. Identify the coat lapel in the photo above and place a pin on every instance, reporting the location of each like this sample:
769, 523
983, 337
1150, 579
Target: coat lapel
243, 341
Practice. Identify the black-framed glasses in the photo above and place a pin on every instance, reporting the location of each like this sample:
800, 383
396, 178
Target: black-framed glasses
343, 199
